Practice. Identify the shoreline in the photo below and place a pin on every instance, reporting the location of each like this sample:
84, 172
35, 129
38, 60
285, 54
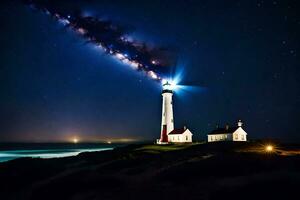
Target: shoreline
8, 155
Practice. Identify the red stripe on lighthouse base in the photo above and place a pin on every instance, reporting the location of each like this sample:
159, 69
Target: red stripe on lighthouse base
164, 136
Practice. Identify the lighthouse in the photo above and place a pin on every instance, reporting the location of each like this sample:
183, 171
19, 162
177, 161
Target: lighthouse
167, 133
167, 120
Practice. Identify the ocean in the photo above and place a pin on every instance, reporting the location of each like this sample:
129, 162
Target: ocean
10, 151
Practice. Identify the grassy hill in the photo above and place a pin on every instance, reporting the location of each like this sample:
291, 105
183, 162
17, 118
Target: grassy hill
193, 171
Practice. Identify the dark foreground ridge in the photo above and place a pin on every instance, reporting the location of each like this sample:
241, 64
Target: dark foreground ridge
198, 171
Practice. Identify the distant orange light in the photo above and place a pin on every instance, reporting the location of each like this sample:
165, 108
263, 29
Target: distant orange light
75, 140
269, 148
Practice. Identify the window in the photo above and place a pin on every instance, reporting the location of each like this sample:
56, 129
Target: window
236, 136
186, 138
242, 136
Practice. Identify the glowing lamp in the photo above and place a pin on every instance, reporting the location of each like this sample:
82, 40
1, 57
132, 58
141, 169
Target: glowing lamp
269, 148
169, 85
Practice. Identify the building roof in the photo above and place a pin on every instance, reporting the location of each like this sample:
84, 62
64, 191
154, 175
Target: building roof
177, 131
229, 130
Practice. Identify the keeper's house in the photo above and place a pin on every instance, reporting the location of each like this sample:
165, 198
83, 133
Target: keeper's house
228, 134
182, 135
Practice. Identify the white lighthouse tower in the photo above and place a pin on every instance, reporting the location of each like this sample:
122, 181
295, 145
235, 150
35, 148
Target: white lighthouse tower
168, 134
167, 120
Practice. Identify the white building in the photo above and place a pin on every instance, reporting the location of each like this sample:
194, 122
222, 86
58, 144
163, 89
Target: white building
228, 134
168, 134
182, 135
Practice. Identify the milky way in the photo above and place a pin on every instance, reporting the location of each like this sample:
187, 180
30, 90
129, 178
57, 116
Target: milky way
110, 38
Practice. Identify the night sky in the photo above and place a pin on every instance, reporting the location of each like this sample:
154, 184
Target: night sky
241, 59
